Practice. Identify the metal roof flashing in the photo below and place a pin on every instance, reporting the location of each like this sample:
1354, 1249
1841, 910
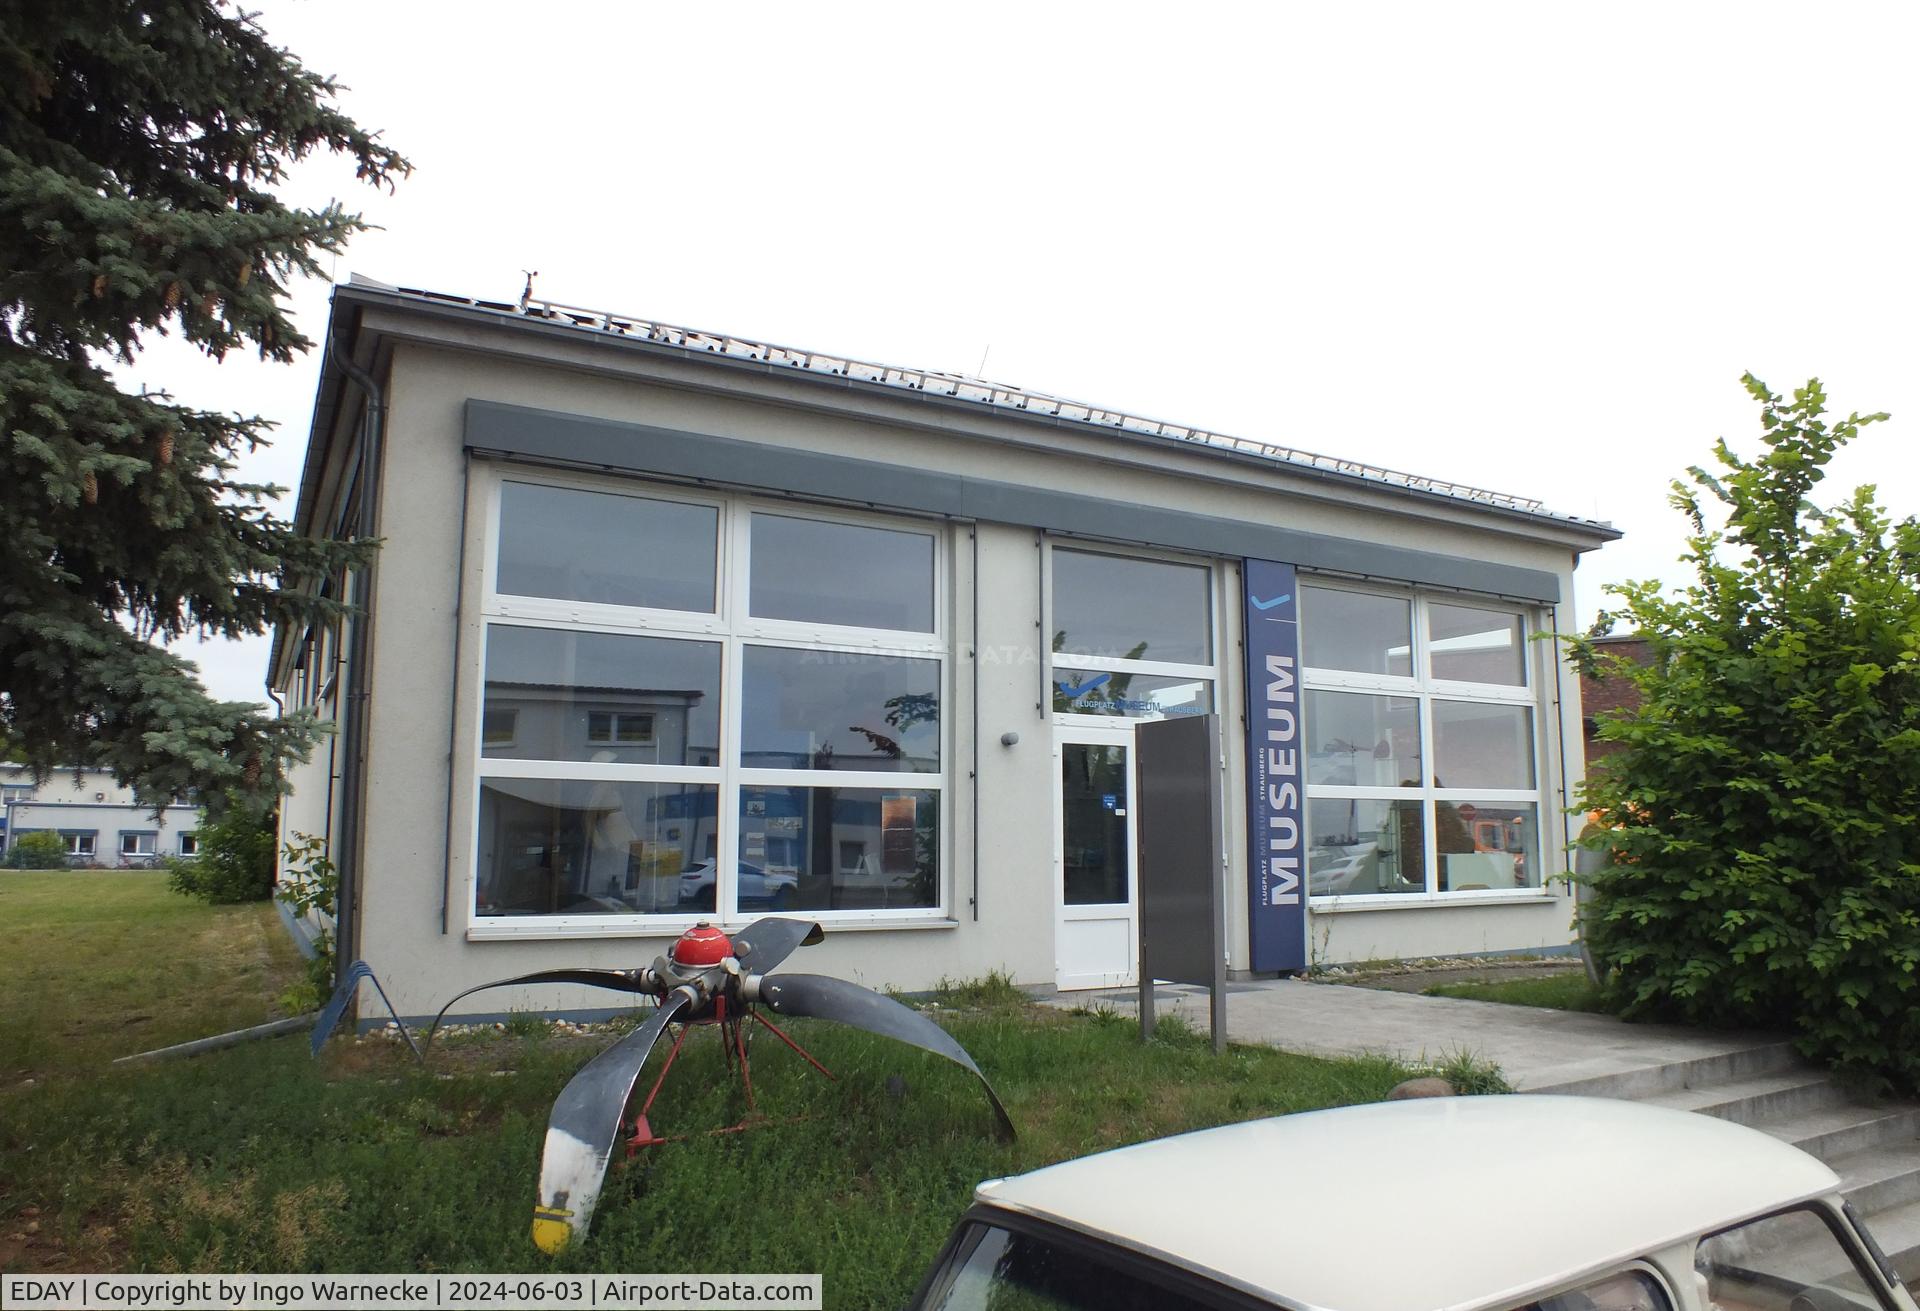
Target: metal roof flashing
965, 393
330, 398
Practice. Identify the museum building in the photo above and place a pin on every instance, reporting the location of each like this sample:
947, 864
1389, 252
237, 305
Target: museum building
669, 625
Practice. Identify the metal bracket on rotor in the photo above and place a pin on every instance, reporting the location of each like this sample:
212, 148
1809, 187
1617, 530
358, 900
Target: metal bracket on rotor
734, 1031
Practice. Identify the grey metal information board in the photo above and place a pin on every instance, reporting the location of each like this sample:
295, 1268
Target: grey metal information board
1182, 929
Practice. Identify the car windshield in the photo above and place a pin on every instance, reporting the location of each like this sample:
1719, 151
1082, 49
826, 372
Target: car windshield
995, 1269
1793, 1261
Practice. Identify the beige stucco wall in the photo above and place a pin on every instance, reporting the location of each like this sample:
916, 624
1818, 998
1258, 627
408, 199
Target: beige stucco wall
425, 698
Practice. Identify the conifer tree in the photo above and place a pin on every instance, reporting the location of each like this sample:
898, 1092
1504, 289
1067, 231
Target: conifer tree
139, 144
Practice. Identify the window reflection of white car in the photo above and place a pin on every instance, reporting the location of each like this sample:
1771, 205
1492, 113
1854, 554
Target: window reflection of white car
758, 889
1341, 869
1514, 1203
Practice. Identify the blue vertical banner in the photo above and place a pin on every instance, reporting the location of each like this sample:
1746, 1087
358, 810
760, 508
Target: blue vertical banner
1276, 833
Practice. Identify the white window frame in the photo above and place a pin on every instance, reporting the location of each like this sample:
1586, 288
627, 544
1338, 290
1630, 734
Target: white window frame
151, 835
733, 629
189, 844
1425, 690
80, 842
617, 720
1057, 660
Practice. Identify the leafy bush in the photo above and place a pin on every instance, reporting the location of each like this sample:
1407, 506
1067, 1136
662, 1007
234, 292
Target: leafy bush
312, 884
1761, 812
235, 861
37, 851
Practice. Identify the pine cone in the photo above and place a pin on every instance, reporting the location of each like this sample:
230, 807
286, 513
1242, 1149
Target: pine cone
163, 449
173, 295
99, 285
240, 278
251, 770
89, 487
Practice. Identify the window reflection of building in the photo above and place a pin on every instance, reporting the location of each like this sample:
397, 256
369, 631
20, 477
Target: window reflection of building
552, 847
616, 779
625, 725
1420, 724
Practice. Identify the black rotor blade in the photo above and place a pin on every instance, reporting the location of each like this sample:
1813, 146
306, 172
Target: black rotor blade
764, 943
618, 980
849, 1003
584, 1127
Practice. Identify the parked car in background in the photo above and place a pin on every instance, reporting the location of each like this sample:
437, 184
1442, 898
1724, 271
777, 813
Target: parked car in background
1517, 1203
760, 889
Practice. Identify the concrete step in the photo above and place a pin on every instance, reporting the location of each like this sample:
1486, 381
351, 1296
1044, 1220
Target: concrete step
1831, 1132
1758, 1099
1897, 1230
1651, 1080
1880, 1179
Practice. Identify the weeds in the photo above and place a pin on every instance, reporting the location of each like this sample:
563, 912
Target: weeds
995, 990
1567, 991
526, 1024
1470, 1075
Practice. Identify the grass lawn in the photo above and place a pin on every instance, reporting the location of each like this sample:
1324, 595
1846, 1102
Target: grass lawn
96, 964
257, 1158
1568, 991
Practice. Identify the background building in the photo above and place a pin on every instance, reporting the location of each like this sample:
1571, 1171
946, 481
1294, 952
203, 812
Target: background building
1607, 690
97, 819
670, 625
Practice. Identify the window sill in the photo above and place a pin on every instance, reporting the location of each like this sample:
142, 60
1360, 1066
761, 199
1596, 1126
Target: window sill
490, 932
1426, 901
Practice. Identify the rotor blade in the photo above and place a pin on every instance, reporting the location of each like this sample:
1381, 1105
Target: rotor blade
584, 1127
766, 942
849, 1003
618, 980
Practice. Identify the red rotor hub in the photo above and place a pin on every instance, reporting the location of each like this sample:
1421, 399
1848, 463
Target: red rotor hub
701, 946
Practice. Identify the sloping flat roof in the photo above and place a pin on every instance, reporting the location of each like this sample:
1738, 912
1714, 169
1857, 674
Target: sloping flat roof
834, 373
999, 397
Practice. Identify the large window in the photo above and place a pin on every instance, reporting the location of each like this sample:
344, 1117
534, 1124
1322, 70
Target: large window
696, 706
1132, 637
554, 542
1422, 751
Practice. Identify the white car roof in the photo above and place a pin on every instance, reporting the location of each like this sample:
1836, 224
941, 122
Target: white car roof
1440, 1203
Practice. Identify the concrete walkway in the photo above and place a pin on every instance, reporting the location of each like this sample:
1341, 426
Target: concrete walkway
1539, 1050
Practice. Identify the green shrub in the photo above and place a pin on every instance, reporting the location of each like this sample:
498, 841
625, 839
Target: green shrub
235, 861
312, 884
37, 851
1765, 866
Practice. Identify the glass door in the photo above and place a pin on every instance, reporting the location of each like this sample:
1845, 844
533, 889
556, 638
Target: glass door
1094, 937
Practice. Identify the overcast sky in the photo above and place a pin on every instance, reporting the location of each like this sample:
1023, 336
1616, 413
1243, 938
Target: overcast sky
1519, 246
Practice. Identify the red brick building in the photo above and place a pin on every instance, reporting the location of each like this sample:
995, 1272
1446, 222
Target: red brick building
1609, 691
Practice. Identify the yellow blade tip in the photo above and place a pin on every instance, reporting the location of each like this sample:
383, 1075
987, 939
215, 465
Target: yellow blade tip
549, 1235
